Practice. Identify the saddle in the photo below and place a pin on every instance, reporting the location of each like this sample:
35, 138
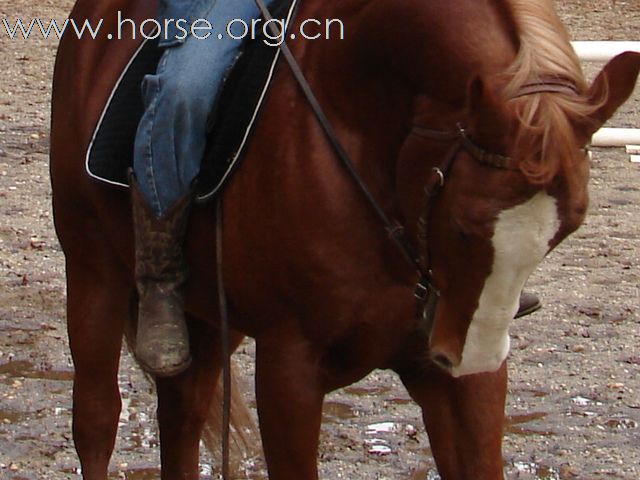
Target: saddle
230, 126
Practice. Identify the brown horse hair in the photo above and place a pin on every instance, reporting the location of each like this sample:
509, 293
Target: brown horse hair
244, 434
545, 140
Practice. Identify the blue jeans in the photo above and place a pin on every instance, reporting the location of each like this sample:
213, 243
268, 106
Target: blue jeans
178, 98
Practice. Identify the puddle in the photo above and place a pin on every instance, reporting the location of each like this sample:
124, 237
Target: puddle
515, 423
621, 424
378, 446
541, 472
425, 475
367, 391
581, 414
584, 401
581, 401
143, 473
11, 329
144, 434
26, 369
401, 401
72, 470
381, 435
533, 392
336, 412
525, 418
153, 473
8, 417
386, 428
383, 427
620, 202
141, 441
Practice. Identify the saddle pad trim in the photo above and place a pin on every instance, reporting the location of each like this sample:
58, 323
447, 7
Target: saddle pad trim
102, 115
234, 160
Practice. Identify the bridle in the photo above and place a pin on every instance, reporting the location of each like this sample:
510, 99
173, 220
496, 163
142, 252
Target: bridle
426, 292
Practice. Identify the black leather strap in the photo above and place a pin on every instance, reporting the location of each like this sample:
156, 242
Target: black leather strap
395, 231
226, 347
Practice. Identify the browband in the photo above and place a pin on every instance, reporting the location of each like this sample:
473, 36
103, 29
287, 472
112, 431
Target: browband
546, 86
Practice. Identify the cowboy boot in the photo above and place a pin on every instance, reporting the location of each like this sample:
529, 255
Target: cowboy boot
162, 339
529, 303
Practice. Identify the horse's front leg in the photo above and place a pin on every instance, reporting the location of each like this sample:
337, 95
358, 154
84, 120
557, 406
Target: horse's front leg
464, 418
184, 402
289, 395
98, 302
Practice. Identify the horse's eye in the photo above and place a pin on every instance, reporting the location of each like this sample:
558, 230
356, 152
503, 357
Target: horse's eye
461, 234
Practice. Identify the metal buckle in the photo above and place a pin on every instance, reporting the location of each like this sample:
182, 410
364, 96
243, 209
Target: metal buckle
440, 175
432, 190
421, 291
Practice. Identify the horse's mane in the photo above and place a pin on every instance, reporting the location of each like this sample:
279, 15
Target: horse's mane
545, 140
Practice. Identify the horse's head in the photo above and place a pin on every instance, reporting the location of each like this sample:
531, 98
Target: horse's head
505, 187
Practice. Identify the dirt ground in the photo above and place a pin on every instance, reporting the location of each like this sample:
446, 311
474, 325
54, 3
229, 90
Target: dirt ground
574, 397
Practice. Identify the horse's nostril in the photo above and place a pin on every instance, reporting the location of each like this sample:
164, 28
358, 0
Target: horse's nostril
443, 361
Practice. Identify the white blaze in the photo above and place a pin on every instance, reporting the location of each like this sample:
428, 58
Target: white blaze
520, 241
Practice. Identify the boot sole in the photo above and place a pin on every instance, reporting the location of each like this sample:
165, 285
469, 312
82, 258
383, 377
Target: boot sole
169, 371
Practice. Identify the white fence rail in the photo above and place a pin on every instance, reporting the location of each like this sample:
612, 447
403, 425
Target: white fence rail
603, 51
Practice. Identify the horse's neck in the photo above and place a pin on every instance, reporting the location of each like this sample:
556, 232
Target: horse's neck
444, 44
392, 54
429, 47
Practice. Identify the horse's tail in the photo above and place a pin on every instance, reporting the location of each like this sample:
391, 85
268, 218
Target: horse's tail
243, 443
243, 432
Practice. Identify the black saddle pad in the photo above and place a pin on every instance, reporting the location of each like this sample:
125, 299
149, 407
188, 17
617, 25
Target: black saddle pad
110, 153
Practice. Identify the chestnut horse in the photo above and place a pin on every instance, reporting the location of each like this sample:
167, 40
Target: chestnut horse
309, 272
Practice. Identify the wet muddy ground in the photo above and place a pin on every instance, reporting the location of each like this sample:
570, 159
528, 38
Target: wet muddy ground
574, 397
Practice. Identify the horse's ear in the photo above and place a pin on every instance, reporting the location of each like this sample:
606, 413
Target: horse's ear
612, 87
481, 100
476, 93
487, 112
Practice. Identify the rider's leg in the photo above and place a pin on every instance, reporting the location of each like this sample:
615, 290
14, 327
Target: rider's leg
169, 146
